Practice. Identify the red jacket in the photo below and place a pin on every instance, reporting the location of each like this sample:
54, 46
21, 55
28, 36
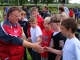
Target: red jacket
7, 48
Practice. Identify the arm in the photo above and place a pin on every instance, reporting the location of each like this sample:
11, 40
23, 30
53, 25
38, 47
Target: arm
39, 38
33, 45
58, 52
58, 57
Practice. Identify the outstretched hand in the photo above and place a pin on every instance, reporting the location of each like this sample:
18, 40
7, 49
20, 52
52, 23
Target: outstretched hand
37, 47
47, 49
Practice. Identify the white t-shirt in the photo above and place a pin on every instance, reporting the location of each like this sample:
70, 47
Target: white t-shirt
71, 50
66, 10
35, 32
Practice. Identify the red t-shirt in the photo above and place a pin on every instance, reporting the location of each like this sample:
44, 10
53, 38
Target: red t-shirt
71, 13
46, 38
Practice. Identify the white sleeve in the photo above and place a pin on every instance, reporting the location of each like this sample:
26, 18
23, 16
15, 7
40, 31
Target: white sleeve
38, 32
77, 51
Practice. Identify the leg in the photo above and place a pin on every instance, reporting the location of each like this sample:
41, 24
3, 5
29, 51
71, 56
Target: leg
33, 55
38, 56
25, 54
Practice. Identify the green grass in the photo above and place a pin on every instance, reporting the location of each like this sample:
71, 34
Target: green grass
28, 55
1, 19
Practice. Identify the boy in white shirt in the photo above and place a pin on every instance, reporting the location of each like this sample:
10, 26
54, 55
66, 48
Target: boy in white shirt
36, 34
71, 49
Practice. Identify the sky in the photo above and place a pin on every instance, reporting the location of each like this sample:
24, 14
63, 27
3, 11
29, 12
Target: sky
74, 1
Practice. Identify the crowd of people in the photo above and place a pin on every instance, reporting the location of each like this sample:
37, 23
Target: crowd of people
48, 37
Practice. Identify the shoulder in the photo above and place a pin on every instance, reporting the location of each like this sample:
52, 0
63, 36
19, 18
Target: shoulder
39, 17
37, 27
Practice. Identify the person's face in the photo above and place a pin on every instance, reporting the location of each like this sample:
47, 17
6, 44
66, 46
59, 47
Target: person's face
43, 9
60, 11
53, 26
35, 13
46, 25
14, 17
65, 32
23, 16
33, 24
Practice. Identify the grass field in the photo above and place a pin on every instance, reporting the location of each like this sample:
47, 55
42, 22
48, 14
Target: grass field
28, 55
1, 14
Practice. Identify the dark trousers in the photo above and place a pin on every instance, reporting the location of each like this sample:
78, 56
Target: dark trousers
35, 55
76, 17
30, 51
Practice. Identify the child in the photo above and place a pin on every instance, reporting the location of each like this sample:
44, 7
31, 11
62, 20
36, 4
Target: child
71, 48
57, 37
36, 34
34, 12
24, 24
46, 37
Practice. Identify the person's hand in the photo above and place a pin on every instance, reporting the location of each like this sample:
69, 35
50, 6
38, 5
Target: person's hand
48, 49
29, 39
37, 47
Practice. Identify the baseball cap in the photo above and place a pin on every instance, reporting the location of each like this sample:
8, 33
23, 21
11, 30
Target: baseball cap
54, 20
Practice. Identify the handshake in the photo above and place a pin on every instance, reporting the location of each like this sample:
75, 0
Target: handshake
40, 49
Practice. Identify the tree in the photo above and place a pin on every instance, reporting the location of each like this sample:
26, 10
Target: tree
35, 1
2, 1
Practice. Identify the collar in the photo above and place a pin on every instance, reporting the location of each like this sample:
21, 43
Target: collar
10, 23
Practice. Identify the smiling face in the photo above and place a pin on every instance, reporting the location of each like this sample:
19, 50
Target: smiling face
14, 17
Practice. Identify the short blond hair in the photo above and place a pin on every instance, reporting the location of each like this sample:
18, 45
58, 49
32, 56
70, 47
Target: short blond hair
33, 19
47, 19
34, 9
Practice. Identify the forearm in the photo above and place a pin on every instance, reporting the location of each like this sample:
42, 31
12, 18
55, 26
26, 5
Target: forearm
58, 57
28, 44
58, 52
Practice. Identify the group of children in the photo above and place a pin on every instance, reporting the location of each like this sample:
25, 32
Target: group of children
54, 35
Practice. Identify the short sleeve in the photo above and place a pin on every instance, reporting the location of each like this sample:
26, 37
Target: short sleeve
38, 32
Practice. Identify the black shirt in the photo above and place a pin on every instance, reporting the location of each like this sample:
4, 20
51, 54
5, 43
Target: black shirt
58, 42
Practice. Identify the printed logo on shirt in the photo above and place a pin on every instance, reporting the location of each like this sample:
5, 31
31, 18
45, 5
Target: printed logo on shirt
15, 31
45, 37
52, 43
61, 43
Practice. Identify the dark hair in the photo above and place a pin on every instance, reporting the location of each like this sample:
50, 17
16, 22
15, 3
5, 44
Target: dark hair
61, 8
54, 20
13, 9
46, 7
70, 23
